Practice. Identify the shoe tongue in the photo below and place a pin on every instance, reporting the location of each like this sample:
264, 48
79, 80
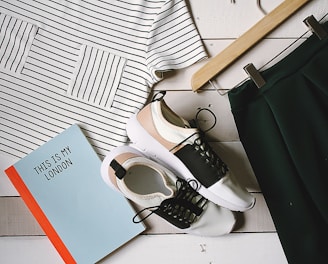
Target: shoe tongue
165, 185
156, 198
168, 187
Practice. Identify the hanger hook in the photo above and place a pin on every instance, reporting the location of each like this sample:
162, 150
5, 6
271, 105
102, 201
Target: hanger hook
259, 5
221, 91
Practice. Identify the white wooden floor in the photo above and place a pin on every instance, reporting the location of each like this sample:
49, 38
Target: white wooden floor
254, 239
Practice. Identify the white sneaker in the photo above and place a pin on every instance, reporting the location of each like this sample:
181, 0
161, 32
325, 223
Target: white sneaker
168, 138
157, 189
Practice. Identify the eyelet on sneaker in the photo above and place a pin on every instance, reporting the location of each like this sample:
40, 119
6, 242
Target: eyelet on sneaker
210, 157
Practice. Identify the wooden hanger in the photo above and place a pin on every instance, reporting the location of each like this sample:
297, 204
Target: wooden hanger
242, 44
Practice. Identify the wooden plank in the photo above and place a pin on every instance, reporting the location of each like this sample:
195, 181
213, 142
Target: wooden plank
233, 248
268, 49
16, 219
6, 188
225, 129
29, 249
226, 20
160, 249
250, 242
245, 42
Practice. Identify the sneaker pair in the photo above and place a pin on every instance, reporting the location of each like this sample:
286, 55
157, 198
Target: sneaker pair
154, 187
193, 185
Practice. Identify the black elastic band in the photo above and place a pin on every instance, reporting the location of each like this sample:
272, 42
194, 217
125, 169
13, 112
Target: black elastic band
119, 170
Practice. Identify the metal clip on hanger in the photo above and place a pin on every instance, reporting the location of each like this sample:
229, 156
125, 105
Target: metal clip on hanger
312, 24
254, 74
236, 49
316, 27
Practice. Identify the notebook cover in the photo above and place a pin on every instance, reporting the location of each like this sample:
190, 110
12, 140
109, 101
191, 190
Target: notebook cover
60, 182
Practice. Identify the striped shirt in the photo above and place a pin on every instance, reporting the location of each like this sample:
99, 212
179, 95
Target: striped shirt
90, 62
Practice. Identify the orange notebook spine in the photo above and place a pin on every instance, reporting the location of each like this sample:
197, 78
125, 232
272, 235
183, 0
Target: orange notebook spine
39, 215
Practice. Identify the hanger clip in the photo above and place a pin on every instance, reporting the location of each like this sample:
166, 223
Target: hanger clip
254, 74
315, 27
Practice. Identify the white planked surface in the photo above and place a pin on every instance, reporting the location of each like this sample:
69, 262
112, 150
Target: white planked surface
254, 239
254, 248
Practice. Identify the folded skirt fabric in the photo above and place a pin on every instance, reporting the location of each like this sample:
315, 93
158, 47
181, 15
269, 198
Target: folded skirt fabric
283, 127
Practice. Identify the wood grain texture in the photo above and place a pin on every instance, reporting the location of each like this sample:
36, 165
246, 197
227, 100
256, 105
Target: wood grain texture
233, 248
161, 249
16, 219
254, 239
246, 41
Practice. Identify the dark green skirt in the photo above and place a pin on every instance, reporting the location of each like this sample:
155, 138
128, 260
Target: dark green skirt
283, 127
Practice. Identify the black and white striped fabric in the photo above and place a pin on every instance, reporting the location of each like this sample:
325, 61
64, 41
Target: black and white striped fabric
90, 62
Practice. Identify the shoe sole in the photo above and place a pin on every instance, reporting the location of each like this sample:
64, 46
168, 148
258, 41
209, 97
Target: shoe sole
156, 151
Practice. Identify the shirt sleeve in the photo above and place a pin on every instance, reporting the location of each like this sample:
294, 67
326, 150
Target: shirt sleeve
173, 41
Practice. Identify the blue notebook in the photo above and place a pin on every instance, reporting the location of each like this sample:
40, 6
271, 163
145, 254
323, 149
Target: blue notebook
61, 184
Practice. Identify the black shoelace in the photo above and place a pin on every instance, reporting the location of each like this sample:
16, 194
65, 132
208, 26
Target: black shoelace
182, 209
